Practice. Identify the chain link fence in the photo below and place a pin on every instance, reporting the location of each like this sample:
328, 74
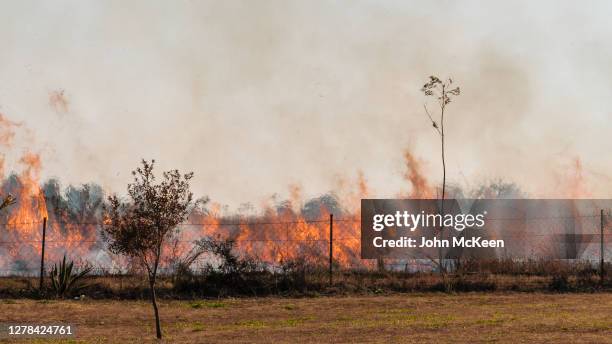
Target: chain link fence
273, 244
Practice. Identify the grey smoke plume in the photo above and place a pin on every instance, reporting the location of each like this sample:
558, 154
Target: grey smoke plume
254, 96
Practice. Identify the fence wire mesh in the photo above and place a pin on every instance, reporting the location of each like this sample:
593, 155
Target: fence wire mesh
274, 243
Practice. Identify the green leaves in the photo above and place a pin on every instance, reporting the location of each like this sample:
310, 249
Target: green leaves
64, 280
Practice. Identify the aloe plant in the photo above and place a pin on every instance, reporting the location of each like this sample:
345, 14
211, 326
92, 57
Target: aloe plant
64, 280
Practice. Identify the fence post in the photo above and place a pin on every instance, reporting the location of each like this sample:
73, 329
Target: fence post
331, 247
42, 254
601, 249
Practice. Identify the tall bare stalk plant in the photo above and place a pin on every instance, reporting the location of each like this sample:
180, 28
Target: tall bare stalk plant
442, 92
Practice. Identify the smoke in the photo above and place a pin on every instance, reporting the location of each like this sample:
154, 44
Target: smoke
58, 101
7, 133
254, 97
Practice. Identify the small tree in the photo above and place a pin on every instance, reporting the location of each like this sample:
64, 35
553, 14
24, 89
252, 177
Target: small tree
443, 92
140, 227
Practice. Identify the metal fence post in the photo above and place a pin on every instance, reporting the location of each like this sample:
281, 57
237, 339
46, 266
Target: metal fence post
42, 254
601, 249
331, 247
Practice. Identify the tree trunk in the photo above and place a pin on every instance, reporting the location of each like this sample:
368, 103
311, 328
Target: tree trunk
440, 254
155, 310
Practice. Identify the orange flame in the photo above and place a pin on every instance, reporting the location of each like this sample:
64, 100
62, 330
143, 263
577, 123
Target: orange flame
294, 230
415, 177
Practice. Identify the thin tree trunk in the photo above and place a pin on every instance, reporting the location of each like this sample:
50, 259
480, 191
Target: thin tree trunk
155, 310
443, 159
443, 175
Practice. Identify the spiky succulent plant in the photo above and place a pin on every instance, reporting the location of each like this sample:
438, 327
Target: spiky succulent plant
66, 279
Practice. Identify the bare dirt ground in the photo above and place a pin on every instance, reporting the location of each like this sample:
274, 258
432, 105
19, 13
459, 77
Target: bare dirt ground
405, 318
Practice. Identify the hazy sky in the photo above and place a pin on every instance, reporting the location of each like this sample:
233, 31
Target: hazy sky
256, 95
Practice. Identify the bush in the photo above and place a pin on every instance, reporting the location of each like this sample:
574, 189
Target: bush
559, 283
64, 280
233, 274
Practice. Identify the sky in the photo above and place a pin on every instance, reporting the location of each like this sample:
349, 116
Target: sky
257, 97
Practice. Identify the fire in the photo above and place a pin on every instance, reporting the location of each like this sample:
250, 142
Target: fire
284, 235
31, 206
294, 230
414, 176
22, 223
7, 133
300, 230
290, 231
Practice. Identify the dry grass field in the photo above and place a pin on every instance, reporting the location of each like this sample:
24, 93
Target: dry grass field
406, 318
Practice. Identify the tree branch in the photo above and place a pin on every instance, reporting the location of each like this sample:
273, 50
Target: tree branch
435, 125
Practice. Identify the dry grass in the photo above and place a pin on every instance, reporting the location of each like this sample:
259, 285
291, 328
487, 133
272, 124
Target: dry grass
419, 318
